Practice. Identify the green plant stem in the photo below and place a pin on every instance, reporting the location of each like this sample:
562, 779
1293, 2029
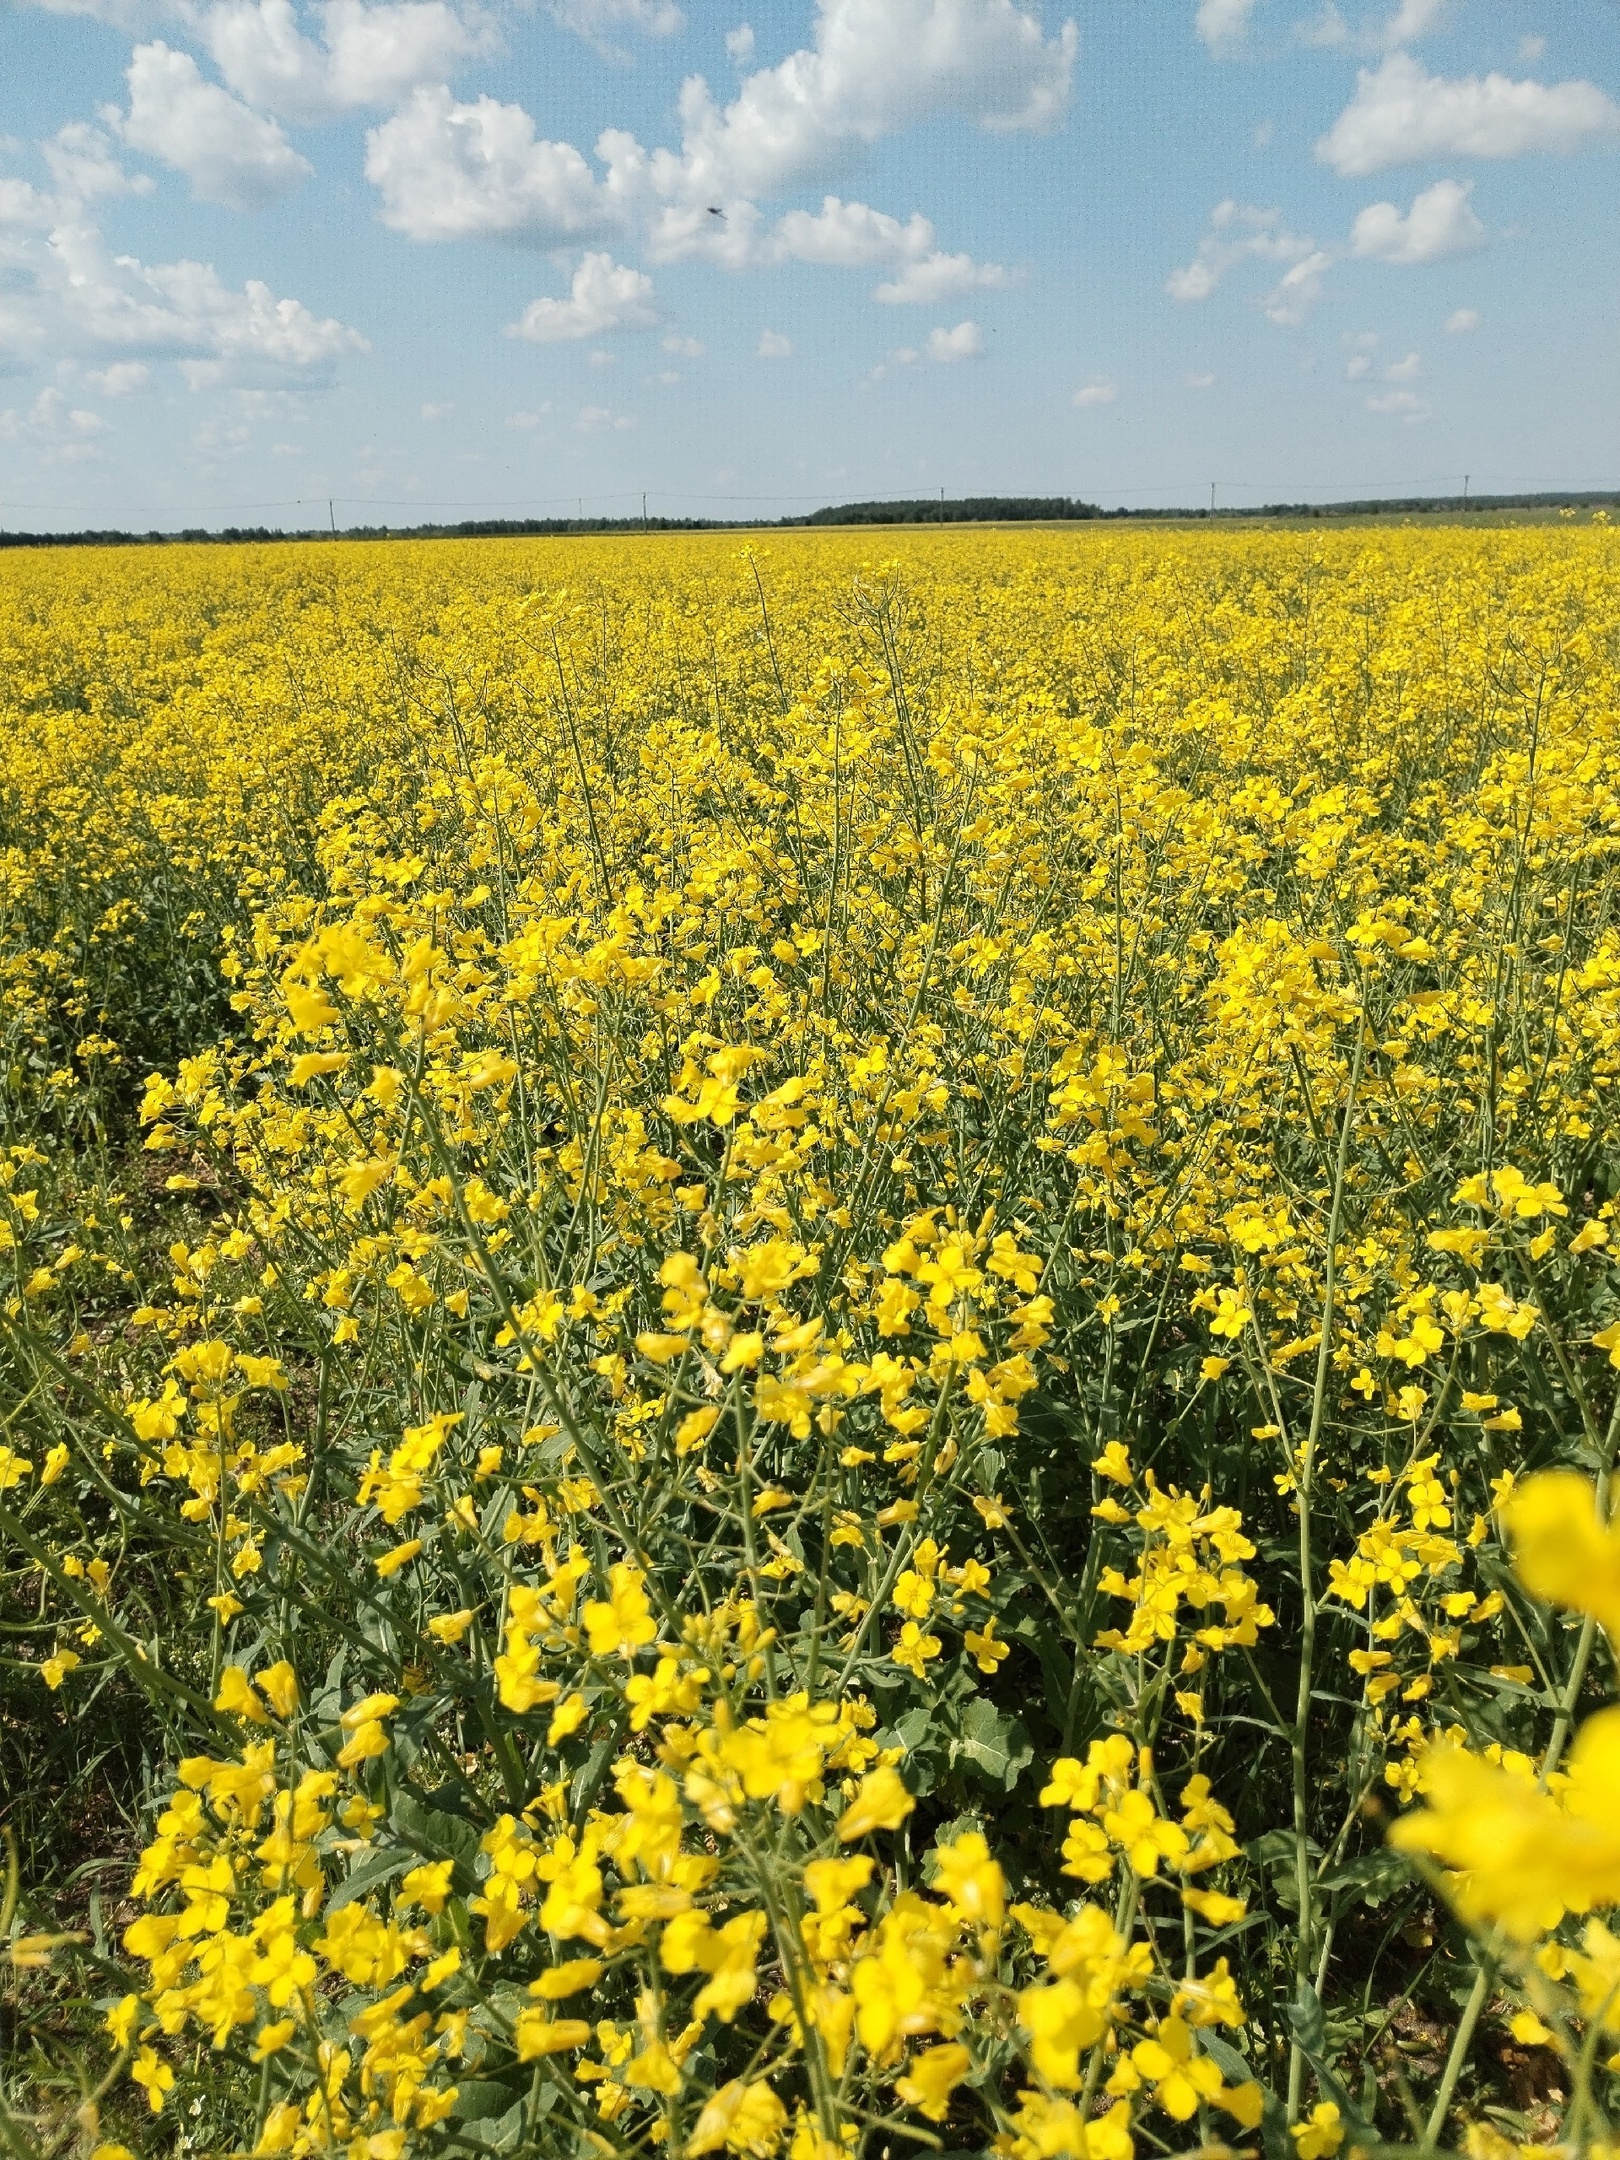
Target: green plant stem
1304, 1880
1490, 1963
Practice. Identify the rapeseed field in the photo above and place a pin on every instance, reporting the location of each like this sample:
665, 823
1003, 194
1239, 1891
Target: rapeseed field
811, 1351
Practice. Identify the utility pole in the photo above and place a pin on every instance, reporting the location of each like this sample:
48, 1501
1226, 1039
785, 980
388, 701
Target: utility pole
942, 506
1466, 478
1212, 498
644, 510
332, 515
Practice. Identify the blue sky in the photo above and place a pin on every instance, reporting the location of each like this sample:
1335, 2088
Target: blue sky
459, 257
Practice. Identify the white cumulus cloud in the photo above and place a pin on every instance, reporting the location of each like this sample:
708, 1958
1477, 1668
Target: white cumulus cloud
874, 68
62, 432
23, 207
900, 356
1299, 288
733, 236
133, 16
1099, 391
1399, 405
1441, 222
773, 345
230, 154
1222, 22
965, 342
851, 235
939, 276
1237, 231
603, 296
596, 20
122, 379
368, 54
840, 235
1411, 20
1461, 320
82, 299
81, 164
1402, 115
448, 171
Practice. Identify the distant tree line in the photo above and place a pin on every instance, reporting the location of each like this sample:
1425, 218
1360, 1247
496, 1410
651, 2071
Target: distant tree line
1409, 505
966, 510
971, 509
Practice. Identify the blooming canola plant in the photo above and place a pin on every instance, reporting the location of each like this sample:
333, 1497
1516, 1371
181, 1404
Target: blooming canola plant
826, 1345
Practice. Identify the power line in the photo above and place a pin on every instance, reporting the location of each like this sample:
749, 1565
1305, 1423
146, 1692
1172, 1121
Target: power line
1473, 485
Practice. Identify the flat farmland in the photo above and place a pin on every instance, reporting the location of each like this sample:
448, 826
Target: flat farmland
811, 1346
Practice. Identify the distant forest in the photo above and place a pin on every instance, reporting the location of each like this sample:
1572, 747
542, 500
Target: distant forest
969, 510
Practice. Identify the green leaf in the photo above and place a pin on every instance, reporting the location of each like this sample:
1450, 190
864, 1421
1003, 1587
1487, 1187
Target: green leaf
912, 1730
380, 1868
1237, 2070
1375, 1876
1306, 2022
1275, 1856
434, 1834
1056, 1659
1308, 2026
993, 1746
490, 2118
328, 1703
